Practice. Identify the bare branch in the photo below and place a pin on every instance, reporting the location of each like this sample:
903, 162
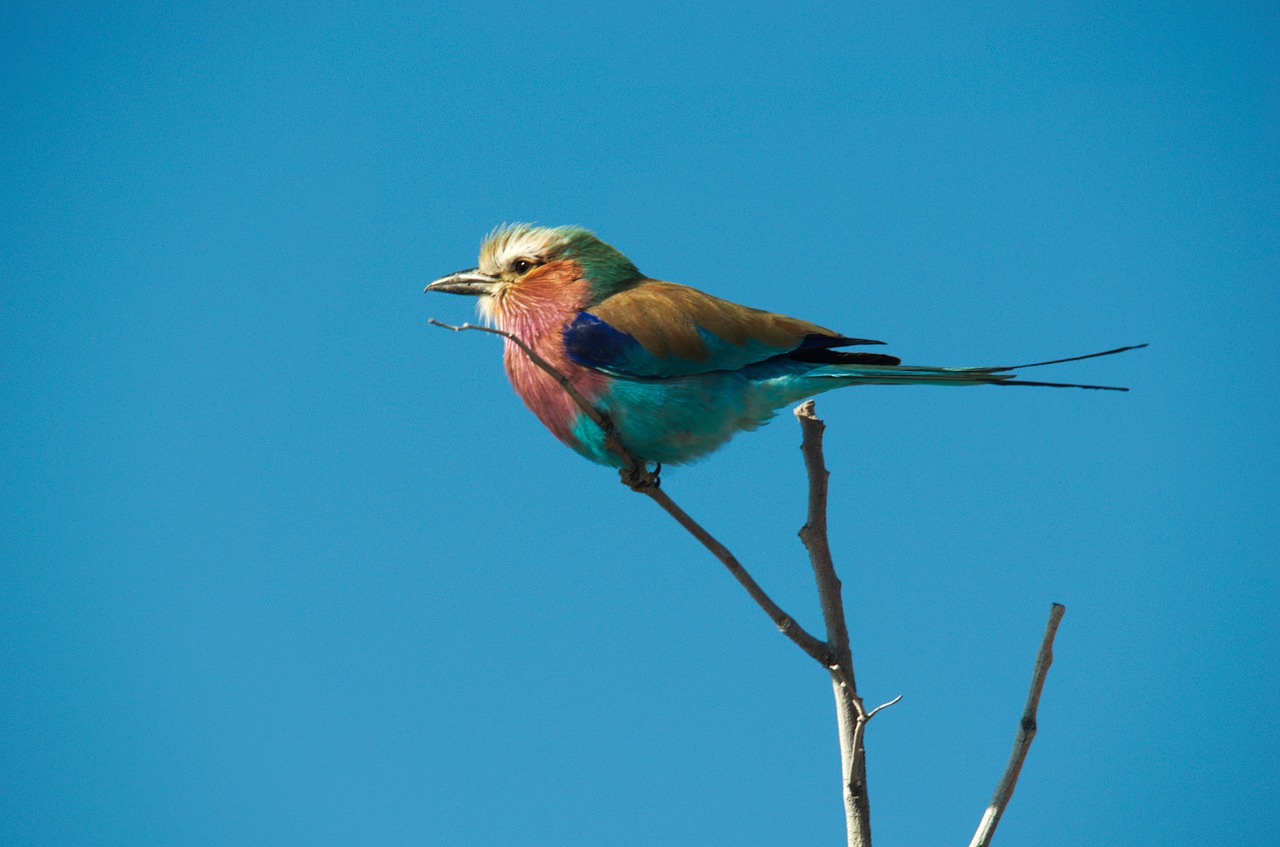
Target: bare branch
851, 716
788, 625
638, 478
814, 536
1026, 732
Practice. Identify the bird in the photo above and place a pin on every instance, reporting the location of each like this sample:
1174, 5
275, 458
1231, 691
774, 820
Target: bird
674, 371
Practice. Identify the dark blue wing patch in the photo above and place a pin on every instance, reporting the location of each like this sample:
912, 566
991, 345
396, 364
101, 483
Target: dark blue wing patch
594, 343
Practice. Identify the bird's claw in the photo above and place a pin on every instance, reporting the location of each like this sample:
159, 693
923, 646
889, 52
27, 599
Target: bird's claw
640, 478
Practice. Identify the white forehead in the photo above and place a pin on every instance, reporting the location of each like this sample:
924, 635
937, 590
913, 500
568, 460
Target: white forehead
508, 243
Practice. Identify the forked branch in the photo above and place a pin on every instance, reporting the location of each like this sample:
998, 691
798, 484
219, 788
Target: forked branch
834, 653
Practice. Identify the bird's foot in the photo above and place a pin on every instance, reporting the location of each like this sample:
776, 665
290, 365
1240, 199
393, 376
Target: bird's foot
640, 478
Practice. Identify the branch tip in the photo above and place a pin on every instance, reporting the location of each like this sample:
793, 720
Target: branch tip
1025, 734
871, 714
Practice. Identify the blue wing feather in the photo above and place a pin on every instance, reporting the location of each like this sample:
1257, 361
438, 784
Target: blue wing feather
595, 343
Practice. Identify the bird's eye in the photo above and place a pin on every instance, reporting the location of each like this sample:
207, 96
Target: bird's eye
522, 266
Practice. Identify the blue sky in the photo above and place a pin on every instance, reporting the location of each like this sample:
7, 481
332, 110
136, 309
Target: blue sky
282, 564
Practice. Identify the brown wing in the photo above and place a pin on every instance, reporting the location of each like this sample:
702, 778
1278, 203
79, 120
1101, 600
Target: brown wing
673, 320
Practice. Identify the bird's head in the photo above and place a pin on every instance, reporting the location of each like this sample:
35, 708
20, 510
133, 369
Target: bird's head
523, 262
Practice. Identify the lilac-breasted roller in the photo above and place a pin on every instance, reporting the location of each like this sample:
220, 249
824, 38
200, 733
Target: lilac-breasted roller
677, 370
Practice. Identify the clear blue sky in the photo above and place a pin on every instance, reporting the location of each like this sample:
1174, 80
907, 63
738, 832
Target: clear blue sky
282, 564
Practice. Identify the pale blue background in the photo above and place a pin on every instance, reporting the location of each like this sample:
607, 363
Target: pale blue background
284, 565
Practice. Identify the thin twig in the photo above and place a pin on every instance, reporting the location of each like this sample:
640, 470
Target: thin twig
788, 625
871, 714
597, 417
1026, 732
637, 477
635, 467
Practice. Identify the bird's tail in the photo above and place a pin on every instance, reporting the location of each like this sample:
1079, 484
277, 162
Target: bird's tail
886, 374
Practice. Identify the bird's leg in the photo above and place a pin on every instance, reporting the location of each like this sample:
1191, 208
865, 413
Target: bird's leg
638, 477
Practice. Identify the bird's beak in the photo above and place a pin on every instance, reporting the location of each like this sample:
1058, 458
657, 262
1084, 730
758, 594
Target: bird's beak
471, 282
